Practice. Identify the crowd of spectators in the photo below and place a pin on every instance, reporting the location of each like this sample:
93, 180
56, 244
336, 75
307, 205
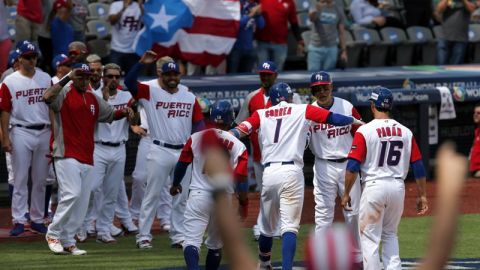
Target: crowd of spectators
269, 29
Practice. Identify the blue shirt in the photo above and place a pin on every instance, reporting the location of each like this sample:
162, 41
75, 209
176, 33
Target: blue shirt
62, 35
248, 26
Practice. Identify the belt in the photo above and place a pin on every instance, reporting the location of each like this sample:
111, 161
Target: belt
281, 163
338, 160
167, 145
35, 127
112, 144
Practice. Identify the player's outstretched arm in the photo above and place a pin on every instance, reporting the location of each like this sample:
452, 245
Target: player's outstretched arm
353, 167
52, 92
451, 174
131, 79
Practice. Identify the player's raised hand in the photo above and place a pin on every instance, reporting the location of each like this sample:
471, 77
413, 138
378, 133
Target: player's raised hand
148, 57
174, 190
346, 202
452, 169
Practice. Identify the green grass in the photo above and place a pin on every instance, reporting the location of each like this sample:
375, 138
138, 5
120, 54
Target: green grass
413, 234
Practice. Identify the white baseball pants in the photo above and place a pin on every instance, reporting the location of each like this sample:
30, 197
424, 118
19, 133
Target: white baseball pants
30, 149
381, 208
74, 192
281, 199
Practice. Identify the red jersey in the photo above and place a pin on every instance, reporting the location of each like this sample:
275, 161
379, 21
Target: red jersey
277, 14
475, 152
76, 115
254, 101
31, 10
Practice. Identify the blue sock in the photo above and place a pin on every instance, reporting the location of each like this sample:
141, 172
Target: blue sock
214, 257
48, 194
289, 244
10, 192
265, 246
190, 253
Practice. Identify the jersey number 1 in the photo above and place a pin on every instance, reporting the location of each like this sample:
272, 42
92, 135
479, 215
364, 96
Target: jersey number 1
394, 153
277, 130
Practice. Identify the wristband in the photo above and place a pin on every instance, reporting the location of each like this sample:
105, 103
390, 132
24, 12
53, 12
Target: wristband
64, 80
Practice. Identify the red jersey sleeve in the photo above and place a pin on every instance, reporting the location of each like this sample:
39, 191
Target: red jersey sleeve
250, 124
316, 114
359, 148
242, 168
143, 91
359, 117
415, 154
5, 98
187, 153
197, 112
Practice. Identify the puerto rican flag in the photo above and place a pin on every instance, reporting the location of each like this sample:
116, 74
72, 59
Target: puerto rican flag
198, 31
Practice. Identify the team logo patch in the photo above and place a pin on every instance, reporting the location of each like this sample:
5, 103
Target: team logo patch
92, 108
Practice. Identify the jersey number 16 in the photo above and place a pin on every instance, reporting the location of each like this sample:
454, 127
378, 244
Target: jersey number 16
394, 153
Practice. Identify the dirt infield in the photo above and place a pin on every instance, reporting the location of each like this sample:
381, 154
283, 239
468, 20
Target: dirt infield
470, 204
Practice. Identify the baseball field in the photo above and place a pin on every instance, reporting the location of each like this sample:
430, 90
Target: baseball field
31, 252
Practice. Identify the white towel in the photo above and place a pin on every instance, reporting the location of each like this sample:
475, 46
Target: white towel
447, 108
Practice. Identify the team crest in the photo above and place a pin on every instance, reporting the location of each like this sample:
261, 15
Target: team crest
92, 109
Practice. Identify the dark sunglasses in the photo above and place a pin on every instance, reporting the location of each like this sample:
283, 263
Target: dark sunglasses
30, 57
111, 76
73, 53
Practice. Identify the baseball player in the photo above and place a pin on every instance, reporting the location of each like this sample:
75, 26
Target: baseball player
283, 132
330, 146
61, 66
76, 113
382, 151
25, 112
172, 114
199, 213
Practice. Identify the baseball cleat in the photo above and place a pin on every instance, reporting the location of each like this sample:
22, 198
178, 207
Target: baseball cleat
38, 228
144, 244
115, 231
81, 235
106, 239
17, 229
176, 245
166, 227
130, 229
73, 250
54, 245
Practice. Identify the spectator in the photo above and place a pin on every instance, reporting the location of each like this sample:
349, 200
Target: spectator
5, 42
60, 28
29, 16
272, 39
455, 17
328, 27
12, 65
125, 17
369, 13
77, 52
475, 151
418, 12
61, 67
78, 18
242, 57
95, 64
44, 38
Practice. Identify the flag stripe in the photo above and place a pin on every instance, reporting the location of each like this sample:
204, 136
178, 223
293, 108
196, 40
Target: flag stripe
205, 25
204, 58
219, 9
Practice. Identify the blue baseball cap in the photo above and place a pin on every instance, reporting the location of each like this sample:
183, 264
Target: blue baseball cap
60, 60
382, 98
267, 67
320, 78
169, 67
27, 48
82, 68
12, 57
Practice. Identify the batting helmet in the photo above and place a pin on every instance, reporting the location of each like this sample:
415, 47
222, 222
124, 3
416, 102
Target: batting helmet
280, 92
382, 98
222, 112
320, 78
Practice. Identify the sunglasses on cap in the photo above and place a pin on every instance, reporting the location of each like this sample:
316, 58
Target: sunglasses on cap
111, 76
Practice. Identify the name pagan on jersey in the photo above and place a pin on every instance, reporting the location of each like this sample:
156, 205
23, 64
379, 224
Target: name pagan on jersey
175, 109
32, 95
331, 130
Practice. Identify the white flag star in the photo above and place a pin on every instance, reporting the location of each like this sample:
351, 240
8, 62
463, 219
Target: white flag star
161, 19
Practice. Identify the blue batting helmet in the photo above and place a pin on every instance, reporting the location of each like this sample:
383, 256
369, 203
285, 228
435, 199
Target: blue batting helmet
222, 112
319, 78
382, 98
280, 92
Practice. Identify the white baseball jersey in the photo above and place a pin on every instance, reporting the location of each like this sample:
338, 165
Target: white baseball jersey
283, 130
191, 153
334, 142
23, 98
385, 148
117, 131
127, 27
169, 116
143, 119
